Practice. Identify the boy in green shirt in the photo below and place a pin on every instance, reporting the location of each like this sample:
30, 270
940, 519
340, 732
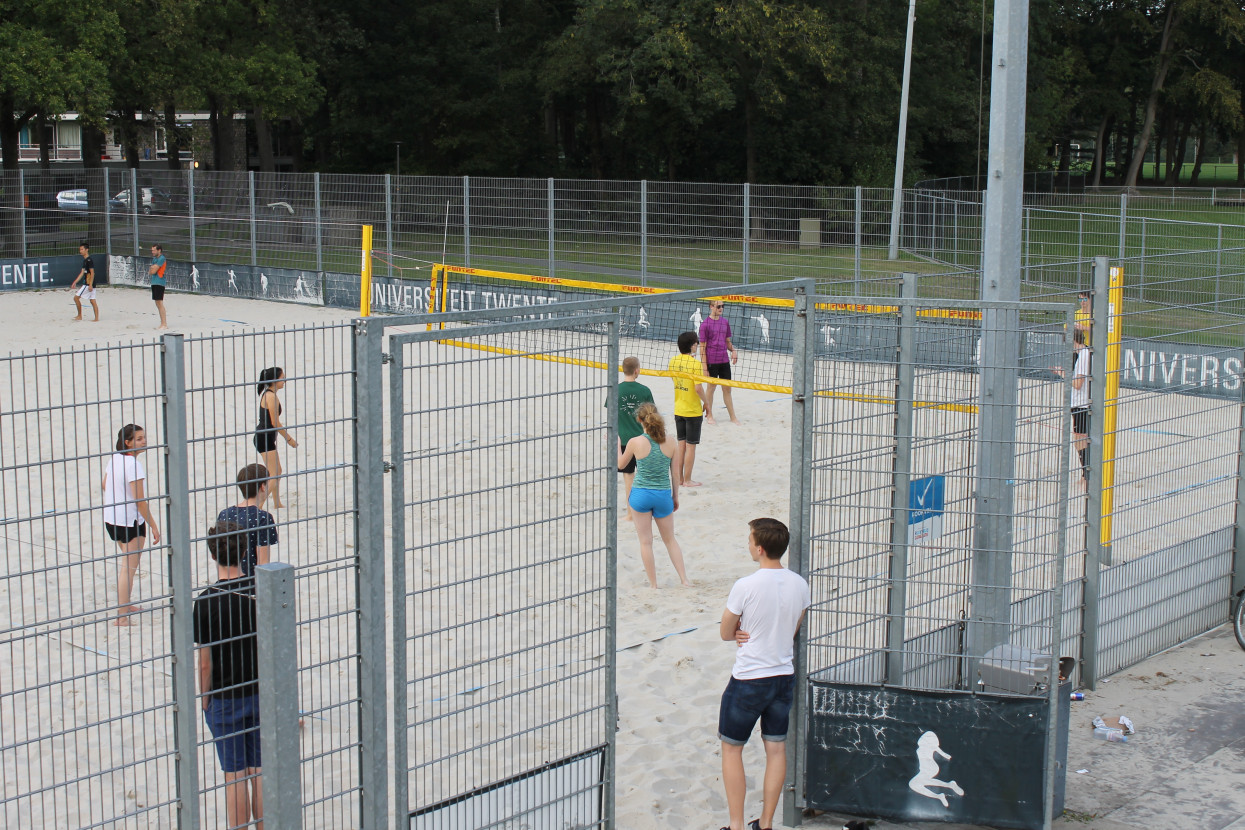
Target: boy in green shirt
631, 393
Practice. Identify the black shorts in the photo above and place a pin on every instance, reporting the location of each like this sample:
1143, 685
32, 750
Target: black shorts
126, 534
630, 468
688, 429
265, 441
157, 293
1080, 420
722, 371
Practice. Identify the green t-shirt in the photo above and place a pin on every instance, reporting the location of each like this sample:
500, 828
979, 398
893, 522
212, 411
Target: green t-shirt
631, 394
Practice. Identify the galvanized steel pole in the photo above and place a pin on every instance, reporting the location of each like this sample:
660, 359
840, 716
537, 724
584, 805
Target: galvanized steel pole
897, 200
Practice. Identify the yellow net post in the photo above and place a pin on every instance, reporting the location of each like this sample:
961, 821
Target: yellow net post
437, 272
1110, 399
365, 274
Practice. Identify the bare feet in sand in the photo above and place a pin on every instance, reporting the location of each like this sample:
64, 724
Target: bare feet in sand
123, 618
691, 484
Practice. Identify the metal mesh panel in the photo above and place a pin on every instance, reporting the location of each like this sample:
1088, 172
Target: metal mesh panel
315, 531
86, 734
891, 597
507, 648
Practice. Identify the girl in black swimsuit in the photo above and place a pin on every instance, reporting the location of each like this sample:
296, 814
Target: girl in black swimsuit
271, 380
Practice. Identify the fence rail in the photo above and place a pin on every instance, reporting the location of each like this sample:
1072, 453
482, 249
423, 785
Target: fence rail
670, 234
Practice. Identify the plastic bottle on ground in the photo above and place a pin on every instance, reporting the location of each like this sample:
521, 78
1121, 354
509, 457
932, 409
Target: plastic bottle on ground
1110, 734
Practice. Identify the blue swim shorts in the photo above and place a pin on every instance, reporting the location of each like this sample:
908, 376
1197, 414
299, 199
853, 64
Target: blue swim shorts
658, 502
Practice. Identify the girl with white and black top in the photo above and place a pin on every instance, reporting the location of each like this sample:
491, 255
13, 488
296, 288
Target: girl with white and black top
127, 517
1080, 396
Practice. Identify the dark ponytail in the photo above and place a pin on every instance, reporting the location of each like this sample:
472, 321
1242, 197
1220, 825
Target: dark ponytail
126, 434
267, 378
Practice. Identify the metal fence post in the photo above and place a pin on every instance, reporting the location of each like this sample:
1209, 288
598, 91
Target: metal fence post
277, 647
369, 491
1218, 263
107, 218
1080, 237
1141, 268
135, 198
1238, 541
315, 178
549, 212
905, 379
1024, 272
1095, 554
803, 355
1123, 225
747, 233
389, 224
609, 785
250, 177
190, 208
859, 240
21, 200
467, 221
180, 569
955, 232
643, 232
397, 566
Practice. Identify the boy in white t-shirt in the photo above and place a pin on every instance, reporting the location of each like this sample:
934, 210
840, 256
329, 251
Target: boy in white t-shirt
763, 613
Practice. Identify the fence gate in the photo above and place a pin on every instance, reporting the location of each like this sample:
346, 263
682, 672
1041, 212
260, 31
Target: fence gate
503, 534
910, 717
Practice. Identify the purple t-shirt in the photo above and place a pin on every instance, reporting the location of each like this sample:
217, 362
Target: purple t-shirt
714, 334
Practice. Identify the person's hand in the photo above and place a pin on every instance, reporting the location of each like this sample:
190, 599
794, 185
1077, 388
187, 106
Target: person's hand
206, 701
675, 499
291, 441
734, 356
155, 535
741, 637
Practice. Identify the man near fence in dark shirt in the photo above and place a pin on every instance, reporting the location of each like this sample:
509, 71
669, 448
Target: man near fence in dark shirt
224, 629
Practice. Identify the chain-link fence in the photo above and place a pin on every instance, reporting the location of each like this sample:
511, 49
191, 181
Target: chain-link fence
86, 661
665, 234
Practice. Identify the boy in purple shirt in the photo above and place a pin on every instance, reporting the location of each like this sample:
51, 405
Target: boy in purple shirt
717, 352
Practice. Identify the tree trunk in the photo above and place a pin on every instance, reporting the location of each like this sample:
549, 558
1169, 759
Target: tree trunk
45, 150
1170, 129
1199, 156
1181, 147
172, 136
1160, 76
263, 140
1100, 150
97, 199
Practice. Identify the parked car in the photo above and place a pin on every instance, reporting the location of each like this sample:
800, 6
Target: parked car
154, 200
71, 200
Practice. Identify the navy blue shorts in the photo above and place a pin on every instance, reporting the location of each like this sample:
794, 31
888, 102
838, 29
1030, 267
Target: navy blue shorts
658, 502
234, 722
767, 699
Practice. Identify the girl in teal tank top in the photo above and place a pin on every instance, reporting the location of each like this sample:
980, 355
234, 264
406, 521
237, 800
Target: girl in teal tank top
653, 497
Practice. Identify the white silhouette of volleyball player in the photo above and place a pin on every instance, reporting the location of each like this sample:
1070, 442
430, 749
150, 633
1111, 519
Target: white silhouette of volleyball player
763, 322
697, 319
263, 283
927, 770
829, 331
643, 321
299, 288
233, 280
194, 277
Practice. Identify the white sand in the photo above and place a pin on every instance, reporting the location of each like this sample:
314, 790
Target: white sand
673, 664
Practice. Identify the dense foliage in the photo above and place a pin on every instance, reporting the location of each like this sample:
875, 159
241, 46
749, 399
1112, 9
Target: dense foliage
728, 90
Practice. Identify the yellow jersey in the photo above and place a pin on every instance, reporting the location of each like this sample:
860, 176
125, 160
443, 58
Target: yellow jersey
687, 403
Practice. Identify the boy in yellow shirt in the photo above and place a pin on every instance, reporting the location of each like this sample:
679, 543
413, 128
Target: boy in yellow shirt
689, 405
